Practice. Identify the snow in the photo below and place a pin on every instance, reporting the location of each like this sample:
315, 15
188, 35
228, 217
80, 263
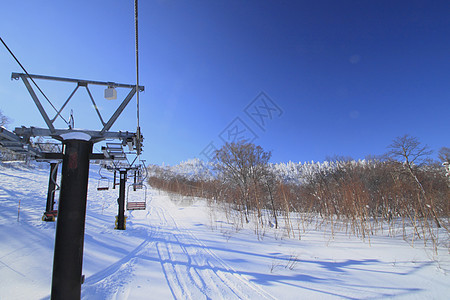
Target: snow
76, 136
178, 249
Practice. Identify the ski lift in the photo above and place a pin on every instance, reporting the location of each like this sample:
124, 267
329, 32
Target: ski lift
140, 197
139, 181
51, 214
103, 182
139, 191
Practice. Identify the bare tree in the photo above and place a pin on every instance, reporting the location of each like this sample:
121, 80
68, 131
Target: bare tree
412, 153
242, 164
6, 154
270, 183
444, 154
4, 120
409, 149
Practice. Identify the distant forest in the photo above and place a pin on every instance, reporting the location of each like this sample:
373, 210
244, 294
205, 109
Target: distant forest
401, 192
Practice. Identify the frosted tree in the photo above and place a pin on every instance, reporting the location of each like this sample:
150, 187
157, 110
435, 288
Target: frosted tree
444, 156
4, 120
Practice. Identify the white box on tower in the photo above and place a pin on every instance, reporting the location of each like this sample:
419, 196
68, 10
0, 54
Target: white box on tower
110, 93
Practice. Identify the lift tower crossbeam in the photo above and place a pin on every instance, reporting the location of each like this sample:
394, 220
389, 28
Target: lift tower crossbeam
83, 83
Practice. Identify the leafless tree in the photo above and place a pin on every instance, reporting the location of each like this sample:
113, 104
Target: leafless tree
6, 154
4, 120
242, 164
444, 154
408, 149
412, 153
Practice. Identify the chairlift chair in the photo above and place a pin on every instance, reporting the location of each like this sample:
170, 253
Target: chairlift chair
50, 214
103, 182
139, 182
137, 204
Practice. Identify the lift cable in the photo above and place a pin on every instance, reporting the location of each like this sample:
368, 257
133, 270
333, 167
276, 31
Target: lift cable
23, 68
138, 130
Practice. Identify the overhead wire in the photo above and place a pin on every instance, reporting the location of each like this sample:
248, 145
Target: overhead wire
138, 129
32, 80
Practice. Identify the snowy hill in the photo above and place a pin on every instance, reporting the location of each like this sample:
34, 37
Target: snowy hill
178, 248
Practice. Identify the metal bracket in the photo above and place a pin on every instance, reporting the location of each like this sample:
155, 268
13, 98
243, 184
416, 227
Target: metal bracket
80, 83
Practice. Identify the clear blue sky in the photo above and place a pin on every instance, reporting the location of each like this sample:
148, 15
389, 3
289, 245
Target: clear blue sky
346, 77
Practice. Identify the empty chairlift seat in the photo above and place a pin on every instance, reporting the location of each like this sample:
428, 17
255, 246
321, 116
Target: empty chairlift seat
136, 205
137, 196
103, 182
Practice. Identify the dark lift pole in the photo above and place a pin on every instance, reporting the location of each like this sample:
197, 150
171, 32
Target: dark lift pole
121, 201
114, 181
69, 241
49, 214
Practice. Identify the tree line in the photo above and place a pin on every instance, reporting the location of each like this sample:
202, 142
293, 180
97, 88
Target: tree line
401, 192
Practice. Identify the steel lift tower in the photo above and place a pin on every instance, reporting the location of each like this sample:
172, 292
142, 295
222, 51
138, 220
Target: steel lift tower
76, 154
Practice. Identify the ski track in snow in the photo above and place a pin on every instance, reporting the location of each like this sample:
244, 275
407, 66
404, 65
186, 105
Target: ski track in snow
190, 268
193, 271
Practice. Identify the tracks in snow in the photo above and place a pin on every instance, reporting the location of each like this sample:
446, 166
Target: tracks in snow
193, 271
173, 255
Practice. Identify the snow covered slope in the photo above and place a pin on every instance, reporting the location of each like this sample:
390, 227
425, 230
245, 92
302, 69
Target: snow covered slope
171, 251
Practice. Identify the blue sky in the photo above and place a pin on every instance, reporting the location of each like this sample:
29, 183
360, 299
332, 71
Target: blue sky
338, 77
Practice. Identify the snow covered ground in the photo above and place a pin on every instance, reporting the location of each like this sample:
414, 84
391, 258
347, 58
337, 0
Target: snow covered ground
174, 250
